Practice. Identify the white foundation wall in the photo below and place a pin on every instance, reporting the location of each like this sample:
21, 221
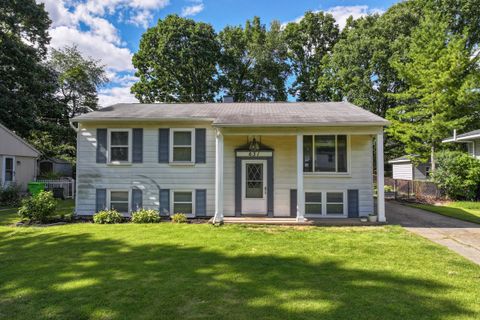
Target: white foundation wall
148, 176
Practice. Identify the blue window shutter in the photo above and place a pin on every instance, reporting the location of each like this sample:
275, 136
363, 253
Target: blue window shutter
164, 202
200, 145
293, 202
137, 147
163, 145
201, 202
137, 201
101, 145
353, 203
100, 199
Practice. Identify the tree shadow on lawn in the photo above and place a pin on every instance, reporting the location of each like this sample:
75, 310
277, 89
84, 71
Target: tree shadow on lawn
77, 277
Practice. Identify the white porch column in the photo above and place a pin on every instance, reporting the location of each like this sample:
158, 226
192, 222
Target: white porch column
218, 177
380, 179
300, 193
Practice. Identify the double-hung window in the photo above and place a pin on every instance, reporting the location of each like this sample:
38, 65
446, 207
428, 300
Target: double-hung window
325, 203
119, 200
325, 153
182, 149
119, 147
183, 202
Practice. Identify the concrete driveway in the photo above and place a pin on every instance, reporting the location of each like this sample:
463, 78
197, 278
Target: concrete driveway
457, 235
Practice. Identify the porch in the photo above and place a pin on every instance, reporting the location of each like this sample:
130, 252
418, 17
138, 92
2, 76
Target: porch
279, 189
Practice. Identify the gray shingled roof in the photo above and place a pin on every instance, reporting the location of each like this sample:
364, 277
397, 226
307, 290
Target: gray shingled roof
241, 114
464, 136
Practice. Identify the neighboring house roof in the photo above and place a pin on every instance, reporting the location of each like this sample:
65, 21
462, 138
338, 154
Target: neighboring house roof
403, 159
475, 134
56, 160
242, 114
3, 144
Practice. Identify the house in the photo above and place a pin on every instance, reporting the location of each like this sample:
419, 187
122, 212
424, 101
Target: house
55, 167
18, 160
302, 160
404, 169
470, 139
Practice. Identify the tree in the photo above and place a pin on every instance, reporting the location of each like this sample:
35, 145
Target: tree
309, 41
27, 86
176, 62
458, 175
443, 80
253, 62
78, 80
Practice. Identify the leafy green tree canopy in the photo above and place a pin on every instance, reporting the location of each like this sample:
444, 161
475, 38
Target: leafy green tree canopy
253, 61
309, 41
176, 62
443, 79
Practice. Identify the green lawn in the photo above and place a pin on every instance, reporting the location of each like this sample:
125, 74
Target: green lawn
197, 271
463, 210
9, 216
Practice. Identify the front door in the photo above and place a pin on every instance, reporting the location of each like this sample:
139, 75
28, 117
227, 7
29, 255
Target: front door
254, 187
8, 171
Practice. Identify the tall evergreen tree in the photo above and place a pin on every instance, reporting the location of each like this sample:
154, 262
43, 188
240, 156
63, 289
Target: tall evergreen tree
309, 41
443, 78
177, 62
253, 62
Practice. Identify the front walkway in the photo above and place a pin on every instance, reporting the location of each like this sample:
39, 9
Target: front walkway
460, 236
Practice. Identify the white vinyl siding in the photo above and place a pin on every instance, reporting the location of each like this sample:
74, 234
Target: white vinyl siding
148, 176
402, 171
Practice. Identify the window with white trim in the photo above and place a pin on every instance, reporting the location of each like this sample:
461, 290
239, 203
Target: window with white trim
182, 145
119, 145
335, 203
313, 203
183, 202
325, 153
119, 200
325, 203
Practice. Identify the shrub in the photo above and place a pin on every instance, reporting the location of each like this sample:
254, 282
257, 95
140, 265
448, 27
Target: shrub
179, 218
145, 216
10, 196
107, 217
39, 208
457, 174
388, 188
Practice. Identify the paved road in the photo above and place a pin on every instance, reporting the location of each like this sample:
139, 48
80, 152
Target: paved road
457, 235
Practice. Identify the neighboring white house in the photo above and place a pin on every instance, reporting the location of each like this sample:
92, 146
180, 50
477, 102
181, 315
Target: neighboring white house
18, 160
404, 169
470, 139
230, 159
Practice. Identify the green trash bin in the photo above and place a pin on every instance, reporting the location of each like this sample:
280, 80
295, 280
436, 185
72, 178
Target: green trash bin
35, 188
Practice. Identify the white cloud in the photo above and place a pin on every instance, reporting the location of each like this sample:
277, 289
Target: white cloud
341, 13
141, 19
192, 10
109, 96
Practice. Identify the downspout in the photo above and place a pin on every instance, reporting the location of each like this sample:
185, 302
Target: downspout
77, 130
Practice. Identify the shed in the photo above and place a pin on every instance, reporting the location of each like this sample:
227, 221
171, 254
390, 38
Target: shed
404, 169
54, 166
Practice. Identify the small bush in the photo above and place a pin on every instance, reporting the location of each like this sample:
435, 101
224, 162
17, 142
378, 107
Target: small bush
107, 217
145, 216
179, 218
39, 208
10, 196
388, 188
457, 174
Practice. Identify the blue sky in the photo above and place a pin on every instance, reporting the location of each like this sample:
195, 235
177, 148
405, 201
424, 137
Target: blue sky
110, 30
